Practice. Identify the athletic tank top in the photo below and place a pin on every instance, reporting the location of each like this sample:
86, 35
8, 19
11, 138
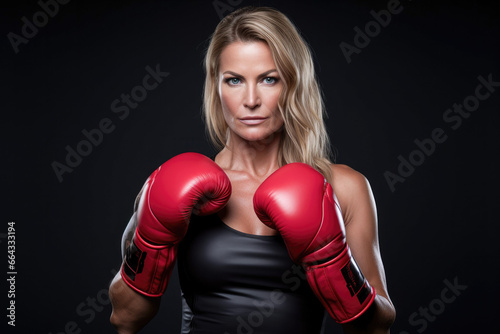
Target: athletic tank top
234, 282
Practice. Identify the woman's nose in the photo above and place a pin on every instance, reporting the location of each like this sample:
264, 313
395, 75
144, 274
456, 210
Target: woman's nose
252, 97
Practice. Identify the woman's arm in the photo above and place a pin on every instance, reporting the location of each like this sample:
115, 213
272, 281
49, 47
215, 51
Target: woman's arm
360, 217
131, 310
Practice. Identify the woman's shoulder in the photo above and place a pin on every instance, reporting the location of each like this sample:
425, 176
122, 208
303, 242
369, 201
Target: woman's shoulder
345, 177
352, 189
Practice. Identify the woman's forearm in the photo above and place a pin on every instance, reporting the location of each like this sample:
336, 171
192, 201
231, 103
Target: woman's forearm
131, 310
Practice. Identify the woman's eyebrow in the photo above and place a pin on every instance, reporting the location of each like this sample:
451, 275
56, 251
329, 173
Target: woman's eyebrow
265, 74
259, 76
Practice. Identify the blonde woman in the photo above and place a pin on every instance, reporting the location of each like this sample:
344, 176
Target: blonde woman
277, 232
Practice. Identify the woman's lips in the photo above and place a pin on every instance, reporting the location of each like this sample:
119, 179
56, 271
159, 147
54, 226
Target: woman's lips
252, 120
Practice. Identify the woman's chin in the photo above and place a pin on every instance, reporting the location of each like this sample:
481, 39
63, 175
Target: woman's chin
260, 137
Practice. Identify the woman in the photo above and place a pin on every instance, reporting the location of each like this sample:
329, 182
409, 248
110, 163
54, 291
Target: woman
264, 109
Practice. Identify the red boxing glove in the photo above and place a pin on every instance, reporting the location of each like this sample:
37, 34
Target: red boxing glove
297, 201
188, 183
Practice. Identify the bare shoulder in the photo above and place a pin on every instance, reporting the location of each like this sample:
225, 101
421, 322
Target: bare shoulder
352, 190
346, 180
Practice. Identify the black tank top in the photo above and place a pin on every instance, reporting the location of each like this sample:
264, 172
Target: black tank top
233, 282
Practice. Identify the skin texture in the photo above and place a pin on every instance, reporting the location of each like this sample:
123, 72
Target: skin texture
249, 86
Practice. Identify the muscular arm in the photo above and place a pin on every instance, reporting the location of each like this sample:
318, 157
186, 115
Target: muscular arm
360, 217
131, 310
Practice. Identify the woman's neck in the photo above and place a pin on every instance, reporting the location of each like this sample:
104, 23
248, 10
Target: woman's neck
258, 158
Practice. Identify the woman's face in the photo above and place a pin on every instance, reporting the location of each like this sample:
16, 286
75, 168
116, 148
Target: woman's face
249, 88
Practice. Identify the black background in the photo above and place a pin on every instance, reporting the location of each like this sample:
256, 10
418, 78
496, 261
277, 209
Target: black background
437, 225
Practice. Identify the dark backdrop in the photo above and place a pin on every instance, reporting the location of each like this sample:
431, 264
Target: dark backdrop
393, 95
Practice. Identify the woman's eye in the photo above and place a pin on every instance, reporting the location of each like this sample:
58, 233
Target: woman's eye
233, 81
270, 80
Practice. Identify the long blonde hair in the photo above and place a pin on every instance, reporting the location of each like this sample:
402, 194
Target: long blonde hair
304, 138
